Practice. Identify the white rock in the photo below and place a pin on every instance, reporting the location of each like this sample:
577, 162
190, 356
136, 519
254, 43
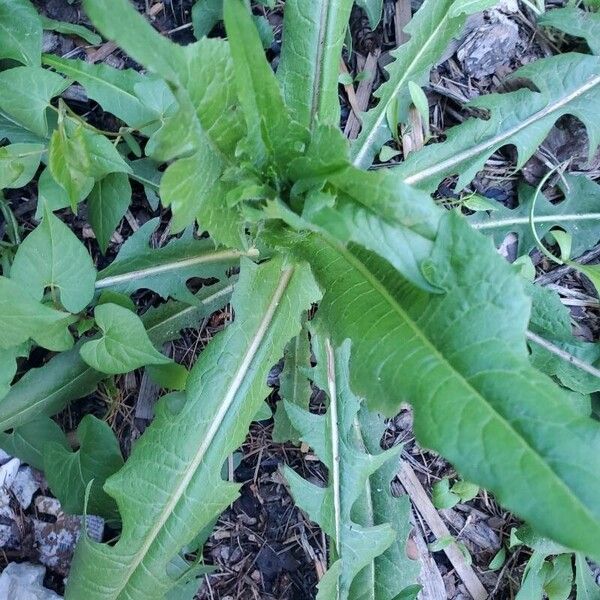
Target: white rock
508, 6
24, 486
4, 457
24, 581
8, 472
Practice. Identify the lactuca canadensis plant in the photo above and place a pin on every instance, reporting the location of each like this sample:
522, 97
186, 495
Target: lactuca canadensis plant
413, 303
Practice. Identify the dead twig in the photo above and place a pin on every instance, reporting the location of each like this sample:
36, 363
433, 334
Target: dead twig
566, 356
423, 504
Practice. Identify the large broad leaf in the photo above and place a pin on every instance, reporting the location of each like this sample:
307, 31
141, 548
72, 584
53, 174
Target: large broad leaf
353, 546
69, 473
461, 360
124, 344
166, 270
313, 37
567, 84
23, 317
394, 220
431, 31
20, 32
64, 378
25, 94
52, 256
577, 22
171, 487
578, 214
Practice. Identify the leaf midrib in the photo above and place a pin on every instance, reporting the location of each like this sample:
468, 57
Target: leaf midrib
503, 137
113, 280
557, 218
228, 400
389, 299
317, 91
335, 443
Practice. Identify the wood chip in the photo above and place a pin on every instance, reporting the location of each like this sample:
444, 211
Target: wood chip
363, 93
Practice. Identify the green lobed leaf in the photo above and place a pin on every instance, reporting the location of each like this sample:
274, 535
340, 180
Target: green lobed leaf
567, 83
20, 32
373, 209
69, 473
396, 221
166, 270
65, 377
313, 37
124, 345
578, 214
353, 545
488, 400
392, 573
163, 507
206, 123
576, 22
273, 137
552, 320
587, 588
52, 256
25, 94
107, 204
431, 31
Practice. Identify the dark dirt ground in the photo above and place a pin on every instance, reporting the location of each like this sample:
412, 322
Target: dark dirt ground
263, 547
